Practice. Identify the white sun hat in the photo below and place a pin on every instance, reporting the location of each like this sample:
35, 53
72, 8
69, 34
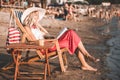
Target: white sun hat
32, 9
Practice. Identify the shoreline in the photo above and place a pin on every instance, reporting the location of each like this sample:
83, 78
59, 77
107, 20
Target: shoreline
113, 57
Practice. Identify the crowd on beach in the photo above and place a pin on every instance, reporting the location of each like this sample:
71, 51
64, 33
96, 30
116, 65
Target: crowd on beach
69, 11
17, 3
74, 11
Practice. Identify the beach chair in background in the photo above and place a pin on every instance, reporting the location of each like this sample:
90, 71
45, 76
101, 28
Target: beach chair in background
26, 38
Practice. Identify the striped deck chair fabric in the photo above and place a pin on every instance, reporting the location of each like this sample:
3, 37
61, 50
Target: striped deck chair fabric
13, 32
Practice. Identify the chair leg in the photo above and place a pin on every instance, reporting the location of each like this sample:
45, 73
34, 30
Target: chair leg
48, 67
16, 67
11, 64
45, 71
60, 57
65, 59
8, 66
47, 62
18, 57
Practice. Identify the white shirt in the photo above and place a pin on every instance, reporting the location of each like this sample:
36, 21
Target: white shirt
37, 33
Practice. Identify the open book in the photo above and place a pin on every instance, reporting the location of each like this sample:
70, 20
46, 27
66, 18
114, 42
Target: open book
61, 32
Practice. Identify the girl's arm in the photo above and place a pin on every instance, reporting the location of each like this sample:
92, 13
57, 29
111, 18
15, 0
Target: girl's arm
28, 30
41, 28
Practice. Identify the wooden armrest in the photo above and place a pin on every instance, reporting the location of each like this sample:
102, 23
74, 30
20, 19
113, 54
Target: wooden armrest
44, 41
26, 46
47, 40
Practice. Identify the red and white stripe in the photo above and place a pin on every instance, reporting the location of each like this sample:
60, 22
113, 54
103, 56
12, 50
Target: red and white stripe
13, 35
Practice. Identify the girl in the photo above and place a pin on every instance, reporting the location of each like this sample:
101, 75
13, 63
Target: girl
69, 39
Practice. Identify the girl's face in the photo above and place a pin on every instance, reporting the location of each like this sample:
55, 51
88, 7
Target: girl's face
33, 18
36, 16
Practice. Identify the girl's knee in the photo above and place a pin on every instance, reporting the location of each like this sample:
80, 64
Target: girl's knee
71, 31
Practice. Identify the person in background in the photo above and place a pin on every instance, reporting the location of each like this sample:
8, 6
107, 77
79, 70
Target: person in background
24, 3
66, 7
69, 12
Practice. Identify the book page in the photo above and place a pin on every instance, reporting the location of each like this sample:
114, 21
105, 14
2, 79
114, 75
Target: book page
61, 32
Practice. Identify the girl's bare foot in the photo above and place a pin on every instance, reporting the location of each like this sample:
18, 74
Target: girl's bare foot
94, 59
89, 68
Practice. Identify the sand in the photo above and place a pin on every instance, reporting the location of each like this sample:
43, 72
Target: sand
93, 34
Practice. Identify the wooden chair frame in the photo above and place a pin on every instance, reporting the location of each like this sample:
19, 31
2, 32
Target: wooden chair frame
17, 56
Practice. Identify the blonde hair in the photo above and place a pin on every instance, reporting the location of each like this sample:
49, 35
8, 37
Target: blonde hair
29, 19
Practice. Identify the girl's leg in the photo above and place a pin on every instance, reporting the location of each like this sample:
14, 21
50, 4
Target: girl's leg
85, 66
85, 52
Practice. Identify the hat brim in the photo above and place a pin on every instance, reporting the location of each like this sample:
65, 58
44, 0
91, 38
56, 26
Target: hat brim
32, 9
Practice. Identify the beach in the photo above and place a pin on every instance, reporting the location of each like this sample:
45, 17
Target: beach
99, 38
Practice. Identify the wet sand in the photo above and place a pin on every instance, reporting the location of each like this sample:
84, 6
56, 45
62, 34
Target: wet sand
112, 29
113, 59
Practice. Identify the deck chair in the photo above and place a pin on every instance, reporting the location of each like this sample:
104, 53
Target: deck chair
26, 38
